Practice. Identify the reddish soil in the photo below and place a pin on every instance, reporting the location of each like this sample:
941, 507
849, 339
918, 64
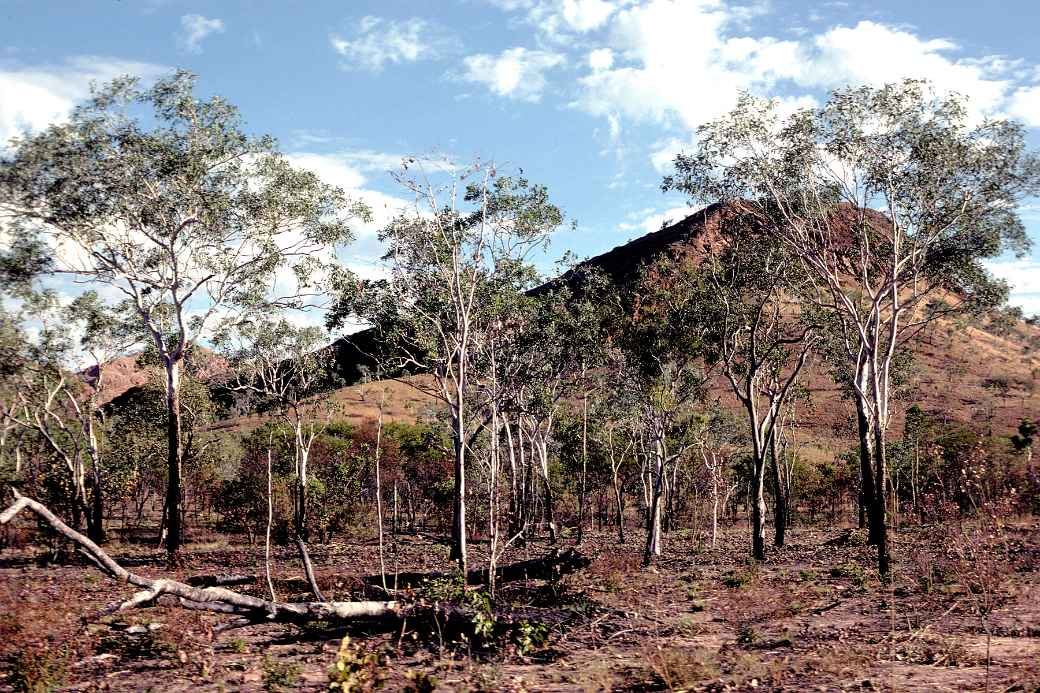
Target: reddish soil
813, 617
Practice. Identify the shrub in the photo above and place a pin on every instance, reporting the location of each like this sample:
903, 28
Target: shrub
357, 670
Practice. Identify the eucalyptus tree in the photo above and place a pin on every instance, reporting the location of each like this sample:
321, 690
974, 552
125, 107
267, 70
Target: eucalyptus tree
761, 334
890, 198
617, 432
449, 254
718, 437
288, 371
662, 350
44, 397
164, 197
565, 340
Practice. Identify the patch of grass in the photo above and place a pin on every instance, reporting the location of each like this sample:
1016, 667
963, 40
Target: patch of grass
738, 579
529, 637
278, 676
420, 682
852, 572
39, 669
238, 645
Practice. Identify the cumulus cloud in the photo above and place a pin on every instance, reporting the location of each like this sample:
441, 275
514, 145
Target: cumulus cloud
345, 169
195, 29
673, 63
34, 97
873, 53
678, 64
1023, 276
601, 59
376, 41
559, 19
649, 220
1025, 105
516, 73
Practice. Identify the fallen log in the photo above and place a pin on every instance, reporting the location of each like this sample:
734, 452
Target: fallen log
206, 593
249, 609
220, 580
550, 567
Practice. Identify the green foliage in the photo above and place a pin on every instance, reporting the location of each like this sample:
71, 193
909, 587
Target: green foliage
852, 572
741, 577
529, 637
278, 676
238, 645
357, 670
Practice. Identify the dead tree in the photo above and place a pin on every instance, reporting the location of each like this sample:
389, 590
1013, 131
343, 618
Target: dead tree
219, 599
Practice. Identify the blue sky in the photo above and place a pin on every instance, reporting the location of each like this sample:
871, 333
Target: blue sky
591, 97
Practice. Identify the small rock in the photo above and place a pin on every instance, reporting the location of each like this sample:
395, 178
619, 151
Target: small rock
136, 630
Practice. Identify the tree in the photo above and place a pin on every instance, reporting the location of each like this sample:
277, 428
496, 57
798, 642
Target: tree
617, 433
762, 337
662, 348
889, 198
716, 434
288, 371
43, 397
465, 239
165, 198
1022, 442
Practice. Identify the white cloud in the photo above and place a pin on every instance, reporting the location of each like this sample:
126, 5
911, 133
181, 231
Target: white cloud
681, 63
873, 53
648, 220
31, 98
601, 59
194, 29
342, 170
379, 41
1023, 276
1025, 105
673, 63
517, 73
559, 19
586, 15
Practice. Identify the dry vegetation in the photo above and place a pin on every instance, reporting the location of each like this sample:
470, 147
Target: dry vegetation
812, 617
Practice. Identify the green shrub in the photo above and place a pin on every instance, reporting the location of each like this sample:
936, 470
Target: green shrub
357, 670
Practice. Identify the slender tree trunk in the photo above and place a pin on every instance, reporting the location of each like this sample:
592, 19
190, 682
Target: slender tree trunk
379, 497
515, 524
270, 516
619, 498
458, 524
758, 510
880, 526
584, 466
300, 521
653, 533
97, 508
867, 484
174, 534
714, 511
779, 495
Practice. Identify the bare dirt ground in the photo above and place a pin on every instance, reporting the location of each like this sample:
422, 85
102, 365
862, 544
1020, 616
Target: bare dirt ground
813, 617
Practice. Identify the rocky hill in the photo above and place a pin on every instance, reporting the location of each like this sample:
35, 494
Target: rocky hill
975, 373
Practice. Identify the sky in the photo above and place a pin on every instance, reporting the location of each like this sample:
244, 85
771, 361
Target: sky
593, 98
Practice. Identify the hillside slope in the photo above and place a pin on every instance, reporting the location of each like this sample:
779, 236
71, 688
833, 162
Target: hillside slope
968, 373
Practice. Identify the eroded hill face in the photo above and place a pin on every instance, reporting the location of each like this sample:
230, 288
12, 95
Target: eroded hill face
128, 372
